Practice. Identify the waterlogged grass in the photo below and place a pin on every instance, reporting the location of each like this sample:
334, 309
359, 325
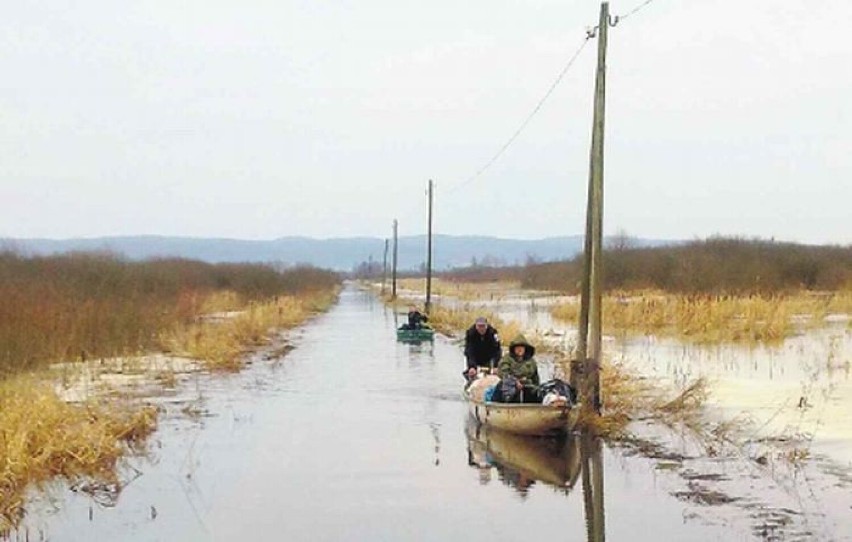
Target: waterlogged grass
222, 343
42, 437
88, 306
465, 291
712, 319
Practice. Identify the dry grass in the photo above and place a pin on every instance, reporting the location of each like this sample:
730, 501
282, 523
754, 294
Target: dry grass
454, 321
221, 301
64, 308
42, 437
711, 319
222, 344
465, 291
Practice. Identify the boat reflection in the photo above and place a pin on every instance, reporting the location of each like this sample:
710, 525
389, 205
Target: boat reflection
522, 461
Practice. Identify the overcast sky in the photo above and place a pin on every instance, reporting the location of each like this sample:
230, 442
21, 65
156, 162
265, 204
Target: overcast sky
260, 119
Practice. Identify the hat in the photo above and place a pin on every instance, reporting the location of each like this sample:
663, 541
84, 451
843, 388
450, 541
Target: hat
481, 320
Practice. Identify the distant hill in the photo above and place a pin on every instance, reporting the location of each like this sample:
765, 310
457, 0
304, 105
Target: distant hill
339, 253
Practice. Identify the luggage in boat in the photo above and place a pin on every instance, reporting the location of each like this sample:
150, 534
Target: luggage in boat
552, 390
479, 386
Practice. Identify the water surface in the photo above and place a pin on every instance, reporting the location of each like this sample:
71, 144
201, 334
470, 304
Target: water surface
353, 436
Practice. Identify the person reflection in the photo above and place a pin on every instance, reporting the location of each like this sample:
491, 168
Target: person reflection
478, 459
515, 479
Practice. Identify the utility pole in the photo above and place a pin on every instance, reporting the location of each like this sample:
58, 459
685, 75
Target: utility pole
429, 255
589, 339
385, 267
395, 256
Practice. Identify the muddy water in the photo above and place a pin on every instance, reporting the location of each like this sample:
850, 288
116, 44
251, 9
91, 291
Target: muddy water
353, 436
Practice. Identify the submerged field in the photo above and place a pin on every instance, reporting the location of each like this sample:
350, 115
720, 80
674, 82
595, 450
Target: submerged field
65, 319
763, 382
276, 451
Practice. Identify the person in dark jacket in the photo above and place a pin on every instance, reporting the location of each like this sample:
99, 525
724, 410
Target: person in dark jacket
481, 347
416, 319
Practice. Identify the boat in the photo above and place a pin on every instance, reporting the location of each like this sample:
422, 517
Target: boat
424, 333
523, 418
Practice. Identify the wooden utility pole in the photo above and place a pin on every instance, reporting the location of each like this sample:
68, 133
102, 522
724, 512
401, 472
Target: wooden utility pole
395, 256
589, 338
385, 267
429, 255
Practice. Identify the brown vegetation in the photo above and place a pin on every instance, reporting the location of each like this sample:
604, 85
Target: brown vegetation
221, 344
42, 437
97, 305
465, 291
64, 308
716, 265
711, 319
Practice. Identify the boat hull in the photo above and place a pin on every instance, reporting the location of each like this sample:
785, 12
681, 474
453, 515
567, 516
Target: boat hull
523, 419
423, 334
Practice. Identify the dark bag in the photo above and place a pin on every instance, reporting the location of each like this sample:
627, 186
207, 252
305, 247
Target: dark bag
558, 386
509, 389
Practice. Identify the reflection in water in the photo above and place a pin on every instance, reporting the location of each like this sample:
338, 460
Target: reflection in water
521, 461
420, 347
593, 490
436, 435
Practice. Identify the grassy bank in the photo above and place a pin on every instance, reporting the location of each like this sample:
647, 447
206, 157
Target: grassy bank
97, 305
87, 306
221, 343
43, 437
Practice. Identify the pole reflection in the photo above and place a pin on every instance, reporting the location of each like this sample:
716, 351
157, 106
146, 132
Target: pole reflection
591, 450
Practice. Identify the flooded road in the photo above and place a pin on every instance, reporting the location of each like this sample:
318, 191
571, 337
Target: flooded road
353, 436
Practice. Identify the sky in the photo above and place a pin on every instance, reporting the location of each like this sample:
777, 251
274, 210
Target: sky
263, 119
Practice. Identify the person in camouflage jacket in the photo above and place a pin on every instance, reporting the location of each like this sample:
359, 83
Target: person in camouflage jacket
520, 363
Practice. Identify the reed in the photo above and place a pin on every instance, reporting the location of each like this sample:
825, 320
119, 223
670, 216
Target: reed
222, 343
85, 306
42, 437
713, 319
98, 305
464, 291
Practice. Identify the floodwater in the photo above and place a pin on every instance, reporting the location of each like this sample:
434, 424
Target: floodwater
353, 436
800, 389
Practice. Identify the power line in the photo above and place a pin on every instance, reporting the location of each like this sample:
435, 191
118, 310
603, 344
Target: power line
632, 11
527, 119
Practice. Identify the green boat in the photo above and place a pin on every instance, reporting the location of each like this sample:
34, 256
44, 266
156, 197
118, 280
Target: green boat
424, 333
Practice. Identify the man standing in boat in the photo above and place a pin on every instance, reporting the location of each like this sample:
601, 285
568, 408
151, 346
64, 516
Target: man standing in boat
481, 347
